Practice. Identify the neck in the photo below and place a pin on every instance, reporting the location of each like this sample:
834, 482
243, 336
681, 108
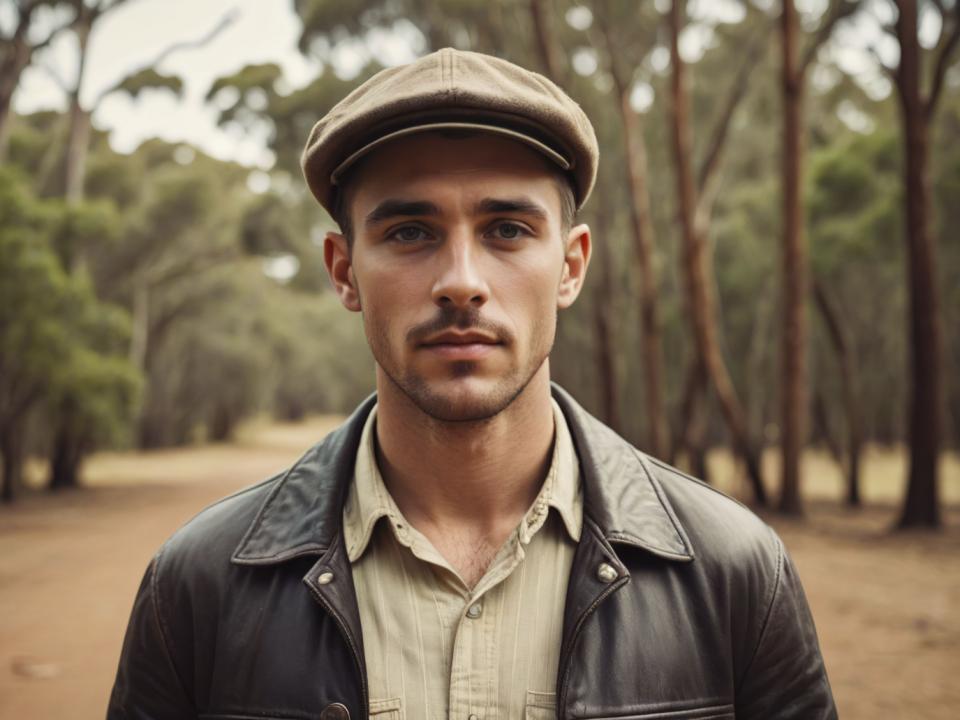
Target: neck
471, 476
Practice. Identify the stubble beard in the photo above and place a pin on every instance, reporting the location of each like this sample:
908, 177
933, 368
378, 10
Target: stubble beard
454, 407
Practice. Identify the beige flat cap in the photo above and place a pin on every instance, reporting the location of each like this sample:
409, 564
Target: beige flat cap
452, 89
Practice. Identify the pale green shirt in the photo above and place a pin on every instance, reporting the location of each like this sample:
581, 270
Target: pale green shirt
433, 647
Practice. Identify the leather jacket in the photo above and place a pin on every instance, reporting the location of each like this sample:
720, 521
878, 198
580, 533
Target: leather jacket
249, 610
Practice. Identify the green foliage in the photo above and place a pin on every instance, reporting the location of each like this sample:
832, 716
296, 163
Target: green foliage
57, 340
149, 79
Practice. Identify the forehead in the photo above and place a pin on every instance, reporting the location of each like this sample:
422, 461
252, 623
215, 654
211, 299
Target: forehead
447, 167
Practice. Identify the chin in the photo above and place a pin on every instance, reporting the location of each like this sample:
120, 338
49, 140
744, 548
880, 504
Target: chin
462, 398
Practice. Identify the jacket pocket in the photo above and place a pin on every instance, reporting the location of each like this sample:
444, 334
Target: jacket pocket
706, 712
540, 706
391, 709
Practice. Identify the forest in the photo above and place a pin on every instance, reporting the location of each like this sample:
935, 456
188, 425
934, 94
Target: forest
776, 262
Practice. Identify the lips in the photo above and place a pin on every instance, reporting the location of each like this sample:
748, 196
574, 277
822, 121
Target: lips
454, 345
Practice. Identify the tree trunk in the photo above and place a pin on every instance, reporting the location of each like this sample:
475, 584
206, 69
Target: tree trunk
546, 47
851, 392
78, 141
11, 447
8, 83
793, 392
642, 226
140, 327
606, 362
16, 57
700, 297
606, 348
922, 504
68, 449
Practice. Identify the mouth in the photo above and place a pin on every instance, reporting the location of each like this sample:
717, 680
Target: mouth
461, 345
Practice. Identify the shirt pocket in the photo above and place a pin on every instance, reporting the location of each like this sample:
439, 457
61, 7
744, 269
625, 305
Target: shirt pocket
391, 709
540, 706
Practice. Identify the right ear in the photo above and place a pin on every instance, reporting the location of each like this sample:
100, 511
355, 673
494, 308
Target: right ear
336, 256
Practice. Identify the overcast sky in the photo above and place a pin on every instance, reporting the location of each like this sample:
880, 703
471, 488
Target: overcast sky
136, 33
266, 31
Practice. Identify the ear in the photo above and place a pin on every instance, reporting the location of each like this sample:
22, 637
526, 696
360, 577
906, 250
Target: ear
575, 261
336, 256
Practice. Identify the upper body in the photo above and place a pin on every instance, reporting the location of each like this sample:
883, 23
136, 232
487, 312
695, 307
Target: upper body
455, 182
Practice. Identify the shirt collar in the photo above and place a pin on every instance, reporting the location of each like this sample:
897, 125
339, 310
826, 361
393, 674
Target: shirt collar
368, 499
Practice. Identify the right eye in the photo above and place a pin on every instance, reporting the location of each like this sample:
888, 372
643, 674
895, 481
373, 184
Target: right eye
409, 235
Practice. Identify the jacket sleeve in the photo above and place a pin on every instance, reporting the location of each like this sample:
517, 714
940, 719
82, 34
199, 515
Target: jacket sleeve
148, 686
786, 679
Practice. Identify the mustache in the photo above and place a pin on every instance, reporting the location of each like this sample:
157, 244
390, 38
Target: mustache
462, 319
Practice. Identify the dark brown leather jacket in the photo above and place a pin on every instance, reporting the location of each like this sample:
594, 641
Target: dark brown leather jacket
704, 617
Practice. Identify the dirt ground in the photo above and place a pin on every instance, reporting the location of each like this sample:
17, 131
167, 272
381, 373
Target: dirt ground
886, 605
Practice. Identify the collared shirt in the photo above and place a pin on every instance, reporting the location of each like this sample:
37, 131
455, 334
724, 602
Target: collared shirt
435, 648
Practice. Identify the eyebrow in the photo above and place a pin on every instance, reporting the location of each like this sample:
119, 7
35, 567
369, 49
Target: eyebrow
521, 205
394, 208
400, 208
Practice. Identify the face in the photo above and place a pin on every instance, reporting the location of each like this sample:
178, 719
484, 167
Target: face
459, 265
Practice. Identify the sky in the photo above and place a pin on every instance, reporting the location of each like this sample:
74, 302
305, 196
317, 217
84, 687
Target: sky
135, 34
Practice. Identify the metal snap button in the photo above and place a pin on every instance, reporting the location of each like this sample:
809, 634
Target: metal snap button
335, 711
606, 573
325, 579
474, 611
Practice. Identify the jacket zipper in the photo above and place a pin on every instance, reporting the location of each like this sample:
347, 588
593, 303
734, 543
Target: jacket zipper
565, 660
338, 618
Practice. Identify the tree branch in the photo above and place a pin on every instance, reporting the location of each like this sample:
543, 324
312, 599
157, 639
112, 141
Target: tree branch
839, 9
737, 91
547, 48
228, 19
942, 62
886, 69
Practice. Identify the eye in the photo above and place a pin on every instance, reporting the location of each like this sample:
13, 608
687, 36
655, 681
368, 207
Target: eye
509, 231
409, 235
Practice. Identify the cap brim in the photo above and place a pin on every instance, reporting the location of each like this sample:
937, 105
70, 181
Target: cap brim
546, 150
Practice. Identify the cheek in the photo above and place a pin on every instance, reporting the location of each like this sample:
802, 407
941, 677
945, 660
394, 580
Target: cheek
527, 293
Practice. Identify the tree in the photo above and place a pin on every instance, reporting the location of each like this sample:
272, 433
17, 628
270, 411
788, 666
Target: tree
693, 208
917, 107
56, 339
635, 152
793, 349
16, 53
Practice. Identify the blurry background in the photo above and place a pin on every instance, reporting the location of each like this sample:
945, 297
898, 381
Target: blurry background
773, 303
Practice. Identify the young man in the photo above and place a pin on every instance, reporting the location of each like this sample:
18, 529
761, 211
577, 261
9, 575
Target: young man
470, 544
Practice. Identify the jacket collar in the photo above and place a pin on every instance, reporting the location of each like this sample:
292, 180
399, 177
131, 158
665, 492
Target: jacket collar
302, 515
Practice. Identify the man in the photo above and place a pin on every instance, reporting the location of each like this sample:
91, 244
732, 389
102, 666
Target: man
470, 544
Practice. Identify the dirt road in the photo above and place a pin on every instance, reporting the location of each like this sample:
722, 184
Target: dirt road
886, 606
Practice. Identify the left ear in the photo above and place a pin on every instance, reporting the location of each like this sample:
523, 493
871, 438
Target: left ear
575, 260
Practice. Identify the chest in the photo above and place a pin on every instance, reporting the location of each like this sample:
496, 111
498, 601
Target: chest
436, 646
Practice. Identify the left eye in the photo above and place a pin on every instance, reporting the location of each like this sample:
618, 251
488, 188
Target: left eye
409, 234
508, 231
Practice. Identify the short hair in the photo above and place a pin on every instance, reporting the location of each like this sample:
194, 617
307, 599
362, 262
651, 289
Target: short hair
341, 205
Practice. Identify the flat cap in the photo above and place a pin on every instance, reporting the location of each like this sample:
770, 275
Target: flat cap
452, 89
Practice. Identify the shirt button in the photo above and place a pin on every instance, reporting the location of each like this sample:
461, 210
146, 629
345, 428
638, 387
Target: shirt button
606, 573
473, 612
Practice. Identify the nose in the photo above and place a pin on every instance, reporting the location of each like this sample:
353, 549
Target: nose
459, 283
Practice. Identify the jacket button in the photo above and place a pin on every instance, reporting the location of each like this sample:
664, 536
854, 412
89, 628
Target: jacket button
335, 711
606, 573
325, 579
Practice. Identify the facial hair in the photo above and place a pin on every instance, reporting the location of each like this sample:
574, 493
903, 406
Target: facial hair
440, 406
